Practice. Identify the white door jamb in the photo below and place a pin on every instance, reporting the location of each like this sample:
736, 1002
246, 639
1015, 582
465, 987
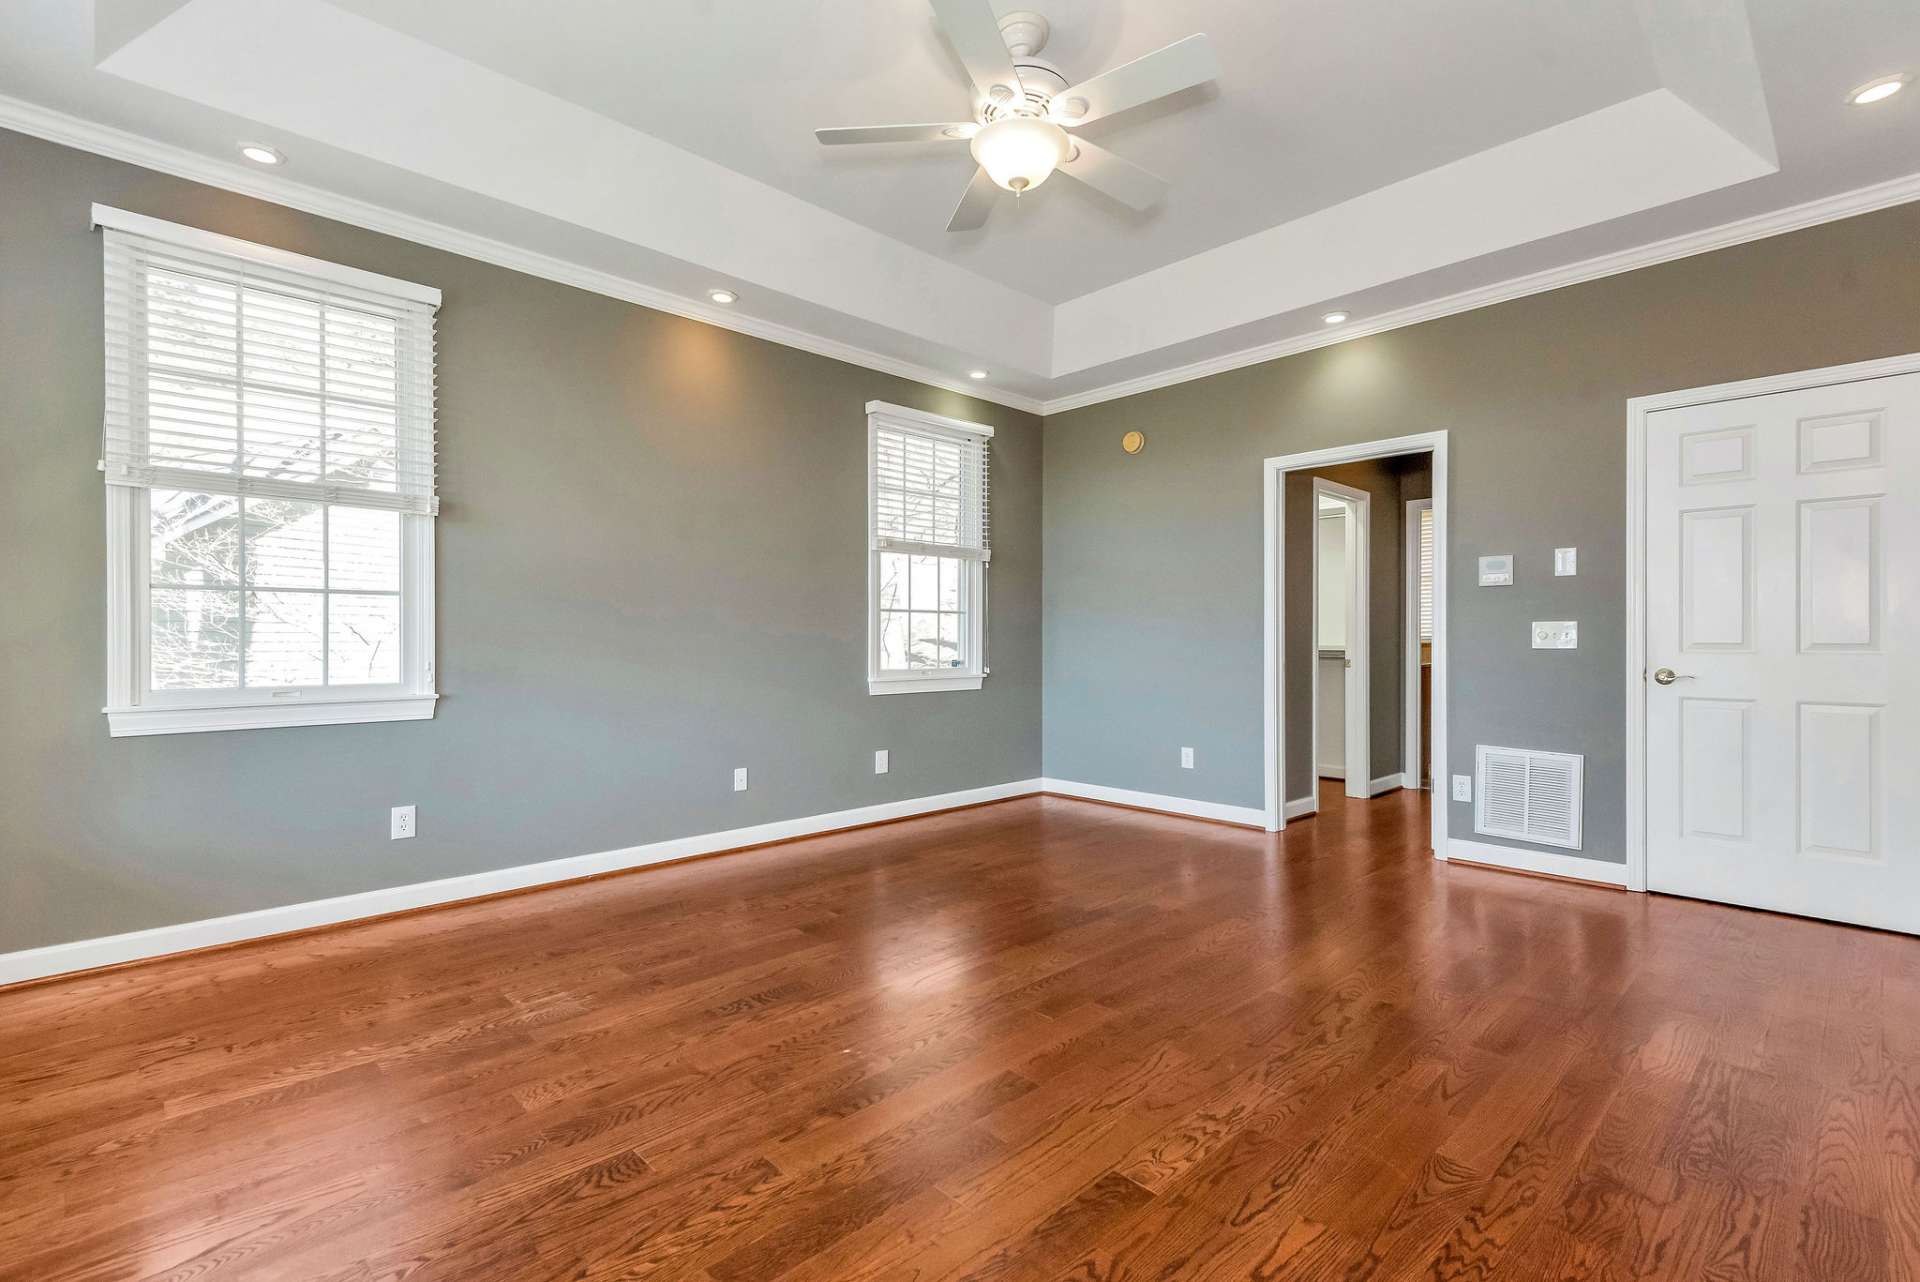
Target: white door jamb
1410, 642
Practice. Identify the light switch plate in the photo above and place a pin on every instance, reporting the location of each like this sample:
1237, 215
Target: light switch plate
1463, 787
1186, 758
1496, 571
1566, 562
880, 761
1562, 634
740, 779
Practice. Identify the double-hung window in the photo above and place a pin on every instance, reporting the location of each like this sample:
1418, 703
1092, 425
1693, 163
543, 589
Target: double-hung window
269, 460
928, 551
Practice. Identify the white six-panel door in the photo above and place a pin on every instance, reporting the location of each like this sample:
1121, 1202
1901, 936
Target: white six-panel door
1783, 652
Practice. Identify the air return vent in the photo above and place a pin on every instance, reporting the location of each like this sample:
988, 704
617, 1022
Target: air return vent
1528, 796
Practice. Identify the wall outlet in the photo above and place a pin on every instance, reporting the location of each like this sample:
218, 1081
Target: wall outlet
1463, 787
740, 779
402, 823
1561, 635
1186, 758
880, 761
1566, 561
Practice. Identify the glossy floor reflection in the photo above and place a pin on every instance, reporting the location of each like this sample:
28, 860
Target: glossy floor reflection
1039, 1039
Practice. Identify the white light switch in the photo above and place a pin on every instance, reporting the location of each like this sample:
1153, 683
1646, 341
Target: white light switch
1463, 787
880, 761
1561, 635
740, 779
1496, 571
1566, 562
1186, 758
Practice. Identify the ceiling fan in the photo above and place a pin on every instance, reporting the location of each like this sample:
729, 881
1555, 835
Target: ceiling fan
1023, 107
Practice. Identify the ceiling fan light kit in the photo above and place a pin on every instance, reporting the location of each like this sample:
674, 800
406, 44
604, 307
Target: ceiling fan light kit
1019, 152
1024, 106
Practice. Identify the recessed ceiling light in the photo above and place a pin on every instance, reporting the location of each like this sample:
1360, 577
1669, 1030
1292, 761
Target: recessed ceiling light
976, 373
1334, 318
261, 154
723, 295
1877, 90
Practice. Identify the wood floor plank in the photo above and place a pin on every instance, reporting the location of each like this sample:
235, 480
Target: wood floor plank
1040, 1039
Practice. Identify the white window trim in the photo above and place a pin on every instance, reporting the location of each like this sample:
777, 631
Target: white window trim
879, 682
132, 709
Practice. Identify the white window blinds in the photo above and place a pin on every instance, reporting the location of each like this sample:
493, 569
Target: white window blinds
929, 490
1426, 574
233, 369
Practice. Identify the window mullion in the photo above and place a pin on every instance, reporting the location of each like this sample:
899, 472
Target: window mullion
326, 593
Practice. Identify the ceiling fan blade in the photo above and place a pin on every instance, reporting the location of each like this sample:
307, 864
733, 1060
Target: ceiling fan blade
975, 205
958, 131
974, 33
1181, 65
1108, 174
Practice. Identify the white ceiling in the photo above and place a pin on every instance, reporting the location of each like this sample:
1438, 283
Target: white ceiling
1377, 155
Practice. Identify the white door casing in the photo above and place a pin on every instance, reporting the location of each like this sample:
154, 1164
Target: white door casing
1779, 760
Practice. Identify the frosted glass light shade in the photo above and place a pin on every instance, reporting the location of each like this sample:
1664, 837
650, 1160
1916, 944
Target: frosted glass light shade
1018, 152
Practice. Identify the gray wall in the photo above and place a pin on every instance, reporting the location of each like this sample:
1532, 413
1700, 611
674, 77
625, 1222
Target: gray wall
652, 569
1390, 483
1153, 600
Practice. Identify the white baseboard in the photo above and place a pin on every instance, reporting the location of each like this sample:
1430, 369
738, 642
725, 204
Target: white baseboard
1575, 866
1330, 772
1386, 783
86, 954
1300, 807
1248, 815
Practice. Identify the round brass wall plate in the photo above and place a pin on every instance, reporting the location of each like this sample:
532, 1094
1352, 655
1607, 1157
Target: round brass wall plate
1134, 442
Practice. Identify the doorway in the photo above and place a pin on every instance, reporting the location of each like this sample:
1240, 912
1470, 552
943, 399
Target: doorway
1290, 679
1774, 679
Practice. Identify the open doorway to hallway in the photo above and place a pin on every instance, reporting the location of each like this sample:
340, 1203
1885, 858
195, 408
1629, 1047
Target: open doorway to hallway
1356, 629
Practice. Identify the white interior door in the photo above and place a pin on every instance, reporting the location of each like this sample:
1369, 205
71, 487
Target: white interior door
1783, 695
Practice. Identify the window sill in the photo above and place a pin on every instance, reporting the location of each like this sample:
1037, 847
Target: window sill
920, 685
126, 722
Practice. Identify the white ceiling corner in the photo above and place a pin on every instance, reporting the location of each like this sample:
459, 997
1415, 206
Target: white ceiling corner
1394, 158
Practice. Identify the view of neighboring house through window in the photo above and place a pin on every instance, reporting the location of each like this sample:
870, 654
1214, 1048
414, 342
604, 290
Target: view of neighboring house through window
929, 550
269, 457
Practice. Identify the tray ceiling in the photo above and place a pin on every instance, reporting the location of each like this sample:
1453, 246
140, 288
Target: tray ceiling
1369, 154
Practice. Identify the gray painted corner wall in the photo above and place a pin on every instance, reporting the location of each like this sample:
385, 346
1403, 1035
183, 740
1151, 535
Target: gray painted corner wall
652, 569
1389, 483
1152, 593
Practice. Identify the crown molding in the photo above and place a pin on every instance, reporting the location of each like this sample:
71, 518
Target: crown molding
119, 144
1862, 200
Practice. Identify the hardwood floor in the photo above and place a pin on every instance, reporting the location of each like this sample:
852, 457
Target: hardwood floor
1036, 1040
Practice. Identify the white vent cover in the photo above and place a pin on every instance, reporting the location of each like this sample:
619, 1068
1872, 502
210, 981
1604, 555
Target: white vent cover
1528, 795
